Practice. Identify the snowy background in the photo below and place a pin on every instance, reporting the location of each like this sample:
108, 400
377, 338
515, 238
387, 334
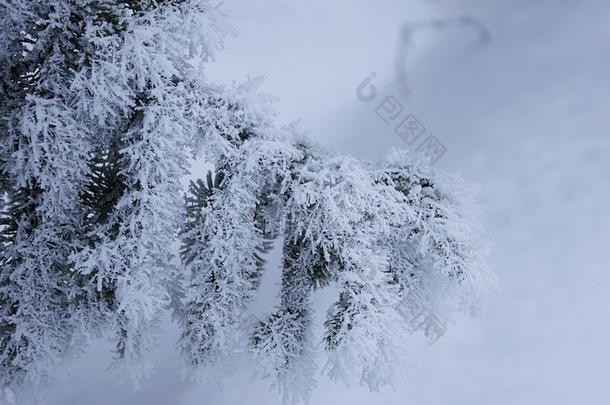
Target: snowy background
525, 114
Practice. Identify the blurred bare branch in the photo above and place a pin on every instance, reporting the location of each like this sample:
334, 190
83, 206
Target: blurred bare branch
410, 29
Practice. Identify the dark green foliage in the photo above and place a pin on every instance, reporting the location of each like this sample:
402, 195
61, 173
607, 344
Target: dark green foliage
337, 322
18, 219
104, 188
196, 200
